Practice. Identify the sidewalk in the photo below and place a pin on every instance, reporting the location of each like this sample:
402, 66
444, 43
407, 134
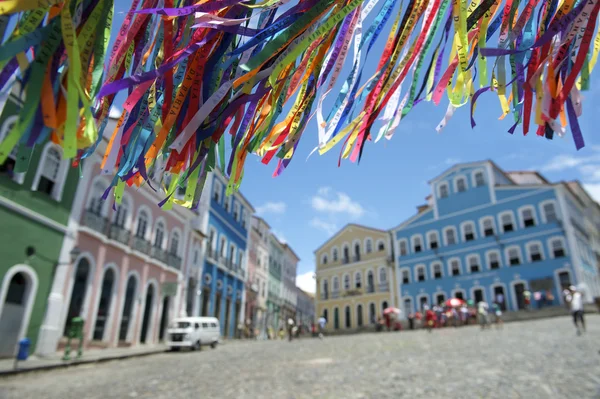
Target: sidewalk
36, 363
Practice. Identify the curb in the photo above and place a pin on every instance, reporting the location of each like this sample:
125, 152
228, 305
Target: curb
8, 373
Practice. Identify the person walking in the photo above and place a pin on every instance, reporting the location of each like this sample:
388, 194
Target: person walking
482, 313
322, 323
498, 314
575, 300
290, 328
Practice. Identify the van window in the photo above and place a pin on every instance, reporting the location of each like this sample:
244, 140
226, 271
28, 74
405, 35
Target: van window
183, 324
204, 325
213, 324
197, 325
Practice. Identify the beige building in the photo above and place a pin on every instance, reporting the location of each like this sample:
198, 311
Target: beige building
355, 277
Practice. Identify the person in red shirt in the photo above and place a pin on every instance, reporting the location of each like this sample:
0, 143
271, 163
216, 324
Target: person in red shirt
430, 318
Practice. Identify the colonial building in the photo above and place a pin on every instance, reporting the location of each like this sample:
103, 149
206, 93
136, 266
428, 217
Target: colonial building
288, 283
258, 274
274, 294
305, 309
485, 232
227, 224
34, 210
354, 277
129, 278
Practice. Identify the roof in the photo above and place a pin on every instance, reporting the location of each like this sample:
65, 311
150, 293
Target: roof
262, 220
459, 165
344, 228
515, 175
286, 246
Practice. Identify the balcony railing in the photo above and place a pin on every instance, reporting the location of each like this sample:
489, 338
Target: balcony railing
324, 295
158, 254
141, 245
94, 221
353, 292
174, 261
119, 233
383, 287
335, 294
345, 261
370, 289
356, 258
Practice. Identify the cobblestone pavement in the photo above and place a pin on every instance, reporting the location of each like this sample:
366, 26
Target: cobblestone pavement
537, 359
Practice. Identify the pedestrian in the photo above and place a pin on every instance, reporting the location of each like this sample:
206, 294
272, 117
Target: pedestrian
549, 298
498, 314
322, 323
482, 313
575, 300
411, 321
430, 318
527, 299
464, 314
290, 328
281, 333
500, 300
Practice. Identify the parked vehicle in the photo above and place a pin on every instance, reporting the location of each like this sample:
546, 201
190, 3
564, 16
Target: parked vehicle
193, 332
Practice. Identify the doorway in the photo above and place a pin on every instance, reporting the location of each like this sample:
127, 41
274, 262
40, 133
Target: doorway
205, 301
78, 293
440, 299
336, 318
359, 316
227, 314
236, 315
422, 303
500, 297
459, 295
127, 308
347, 314
384, 306
407, 306
217, 313
103, 312
16, 302
164, 319
520, 295
147, 314
565, 280
372, 315
478, 295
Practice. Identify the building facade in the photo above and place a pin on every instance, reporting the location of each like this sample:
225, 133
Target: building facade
227, 226
305, 309
35, 209
354, 277
275, 289
485, 233
288, 283
258, 274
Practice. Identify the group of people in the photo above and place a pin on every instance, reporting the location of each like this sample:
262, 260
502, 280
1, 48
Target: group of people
440, 316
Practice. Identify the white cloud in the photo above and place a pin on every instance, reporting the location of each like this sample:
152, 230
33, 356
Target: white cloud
330, 202
306, 282
272, 207
329, 228
279, 236
562, 162
593, 189
452, 161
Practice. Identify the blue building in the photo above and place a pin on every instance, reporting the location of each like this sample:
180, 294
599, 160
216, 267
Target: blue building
486, 232
226, 221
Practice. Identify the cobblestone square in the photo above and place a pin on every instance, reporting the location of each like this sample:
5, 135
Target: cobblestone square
536, 359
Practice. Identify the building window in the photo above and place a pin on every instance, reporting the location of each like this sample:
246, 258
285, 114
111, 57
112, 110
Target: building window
479, 180
405, 277
437, 271
549, 211
174, 243
473, 262
417, 244
507, 222
450, 233
488, 227
336, 284
535, 252
236, 211
346, 282
514, 256
357, 280
120, 216
420, 273
335, 255
325, 293
217, 192
443, 190
433, 239
324, 259
159, 236
493, 260
142, 224
369, 246
227, 203
382, 275
461, 184
527, 217
469, 231
455, 267
403, 248
51, 173
557, 248
380, 246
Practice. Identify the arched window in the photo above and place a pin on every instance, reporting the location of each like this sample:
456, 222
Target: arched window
347, 313
369, 246
405, 277
370, 282
527, 216
420, 273
335, 254
9, 164
223, 248
96, 203
460, 184
507, 222
549, 212
159, 236
473, 262
346, 254
335, 283
450, 235
357, 280
534, 250
120, 217
436, 270
468, 231
493, 258
432, 238
356, 252
557, 247
403, 244
359, 315
514, 255
382, 276
487, 226
479, 179
346, 282
324, 259
380, 246
443, 190
455, 267
142, 224
51, 173
174, 248
325, 293
336, 318
417, 244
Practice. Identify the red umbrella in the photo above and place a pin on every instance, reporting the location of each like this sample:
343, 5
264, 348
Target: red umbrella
391, 310
454, 302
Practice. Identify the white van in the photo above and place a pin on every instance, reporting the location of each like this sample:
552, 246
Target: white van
192, 332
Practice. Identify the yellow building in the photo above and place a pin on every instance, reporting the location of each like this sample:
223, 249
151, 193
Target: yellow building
355, 277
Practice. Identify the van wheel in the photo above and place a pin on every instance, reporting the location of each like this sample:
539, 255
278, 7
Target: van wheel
174, 349
213, 345
197, 346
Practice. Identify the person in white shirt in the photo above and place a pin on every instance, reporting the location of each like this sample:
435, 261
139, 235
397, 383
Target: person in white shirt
575, 301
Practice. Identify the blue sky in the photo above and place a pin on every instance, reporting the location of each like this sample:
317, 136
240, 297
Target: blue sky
313, 199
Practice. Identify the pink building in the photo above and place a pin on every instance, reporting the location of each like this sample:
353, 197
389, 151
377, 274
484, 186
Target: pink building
137, 269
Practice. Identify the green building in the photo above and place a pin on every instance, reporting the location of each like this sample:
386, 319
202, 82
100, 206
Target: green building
34, 210
274, 300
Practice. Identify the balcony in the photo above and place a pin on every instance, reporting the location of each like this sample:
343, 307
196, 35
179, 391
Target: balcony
353, 292
212, 255
119, 233
335, 294
94, 221
158, 254
370, 289
345, 261
141, 245
383, 287
324, 295
174, 261
356, 258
